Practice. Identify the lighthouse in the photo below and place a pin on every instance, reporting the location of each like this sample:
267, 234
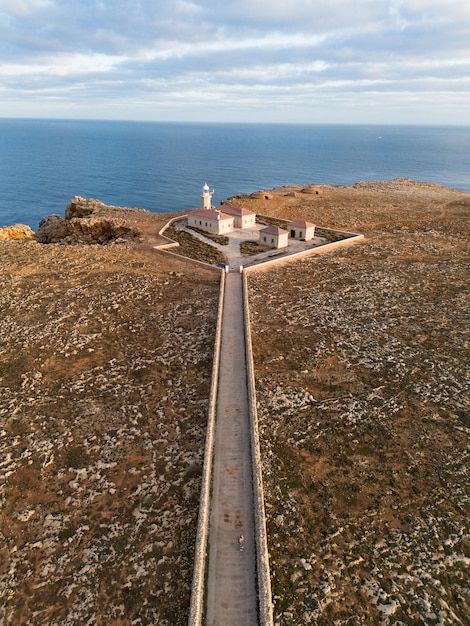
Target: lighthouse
206, 197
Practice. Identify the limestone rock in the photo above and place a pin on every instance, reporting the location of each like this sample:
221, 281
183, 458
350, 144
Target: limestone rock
51, 229
97, 230
79, 207
17, 231
86, 221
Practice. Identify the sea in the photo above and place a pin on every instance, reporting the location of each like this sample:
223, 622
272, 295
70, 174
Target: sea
163, 166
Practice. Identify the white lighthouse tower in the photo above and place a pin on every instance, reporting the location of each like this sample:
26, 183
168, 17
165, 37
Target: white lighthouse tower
207, 197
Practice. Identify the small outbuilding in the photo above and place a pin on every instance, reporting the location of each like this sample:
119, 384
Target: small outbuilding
273, 237
312, 190
304, 231
243, 218
211, 220
261, 195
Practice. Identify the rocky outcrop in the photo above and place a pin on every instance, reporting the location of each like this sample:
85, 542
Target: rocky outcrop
17, 231
52, 229
87, 222
80, 207
262, 195
312, 190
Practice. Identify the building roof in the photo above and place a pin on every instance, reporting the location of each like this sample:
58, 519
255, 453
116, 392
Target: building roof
273, 230
301, 224
236, 211
211, 215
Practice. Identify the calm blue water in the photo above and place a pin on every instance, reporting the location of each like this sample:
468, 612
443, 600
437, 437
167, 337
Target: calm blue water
163, 166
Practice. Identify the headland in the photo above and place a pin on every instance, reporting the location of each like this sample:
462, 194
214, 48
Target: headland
360, 359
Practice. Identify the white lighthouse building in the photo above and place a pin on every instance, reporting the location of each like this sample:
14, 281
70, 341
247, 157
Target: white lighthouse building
206, 197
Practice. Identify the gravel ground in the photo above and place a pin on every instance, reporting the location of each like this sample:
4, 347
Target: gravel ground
361, 358
105, 365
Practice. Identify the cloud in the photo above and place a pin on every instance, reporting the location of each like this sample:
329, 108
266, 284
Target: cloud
214, 55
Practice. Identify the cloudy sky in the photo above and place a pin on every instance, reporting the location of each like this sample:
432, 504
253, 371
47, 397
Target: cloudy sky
351, 61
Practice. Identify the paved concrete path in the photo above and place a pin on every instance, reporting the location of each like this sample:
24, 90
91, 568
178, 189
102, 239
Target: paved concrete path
231, 596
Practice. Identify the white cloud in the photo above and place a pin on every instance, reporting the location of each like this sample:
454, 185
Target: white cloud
24, 7
272, 73
64, 65
459, 9
264, 53
270, 41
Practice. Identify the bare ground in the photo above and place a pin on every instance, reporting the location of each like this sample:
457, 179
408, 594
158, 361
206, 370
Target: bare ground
361, 358
105, 362
105, 365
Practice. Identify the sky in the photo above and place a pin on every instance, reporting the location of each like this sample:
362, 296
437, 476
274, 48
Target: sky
281, 61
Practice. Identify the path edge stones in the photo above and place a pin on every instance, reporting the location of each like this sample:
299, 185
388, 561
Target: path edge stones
265, 606
196, 609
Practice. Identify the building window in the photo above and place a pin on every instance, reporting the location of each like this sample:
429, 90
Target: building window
272, 240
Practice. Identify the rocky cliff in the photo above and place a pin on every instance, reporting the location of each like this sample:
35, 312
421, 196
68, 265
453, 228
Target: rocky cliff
88, 222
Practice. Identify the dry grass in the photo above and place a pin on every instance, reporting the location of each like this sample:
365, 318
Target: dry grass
252, 248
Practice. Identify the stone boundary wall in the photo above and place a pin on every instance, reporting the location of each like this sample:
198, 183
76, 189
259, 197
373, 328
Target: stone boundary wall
272, 217
286, 223
288, 258
335, 230
171, 243
184, 258
196, 609
262, 556
165, 247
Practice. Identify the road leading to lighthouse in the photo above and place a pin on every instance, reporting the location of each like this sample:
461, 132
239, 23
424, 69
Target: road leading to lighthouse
231, 589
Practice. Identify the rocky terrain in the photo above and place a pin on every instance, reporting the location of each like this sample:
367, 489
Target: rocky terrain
360, 355
15, 232
89, 221
105, 365
361, 358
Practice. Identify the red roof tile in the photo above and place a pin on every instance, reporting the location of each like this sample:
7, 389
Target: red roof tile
210, 215
235, 210
273, 230
301, 224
